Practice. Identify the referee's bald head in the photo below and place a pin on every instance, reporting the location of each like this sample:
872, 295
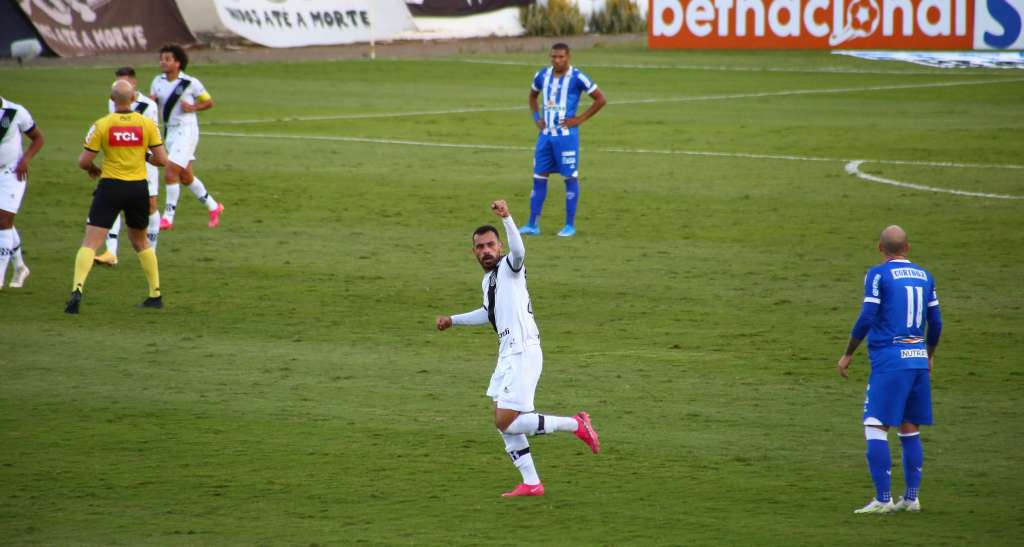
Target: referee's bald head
122, 92
893, 241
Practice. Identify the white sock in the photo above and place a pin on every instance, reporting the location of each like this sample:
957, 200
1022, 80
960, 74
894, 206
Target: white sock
539, 424
518, 448
19, 261
200, 192
153, 230
115, 230
173, 191
6, 250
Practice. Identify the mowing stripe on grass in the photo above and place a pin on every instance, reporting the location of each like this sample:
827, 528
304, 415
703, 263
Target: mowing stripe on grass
722, 68
656, 100
698, 153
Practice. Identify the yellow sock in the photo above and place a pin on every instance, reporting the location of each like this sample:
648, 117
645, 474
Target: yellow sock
148, 260
83, 264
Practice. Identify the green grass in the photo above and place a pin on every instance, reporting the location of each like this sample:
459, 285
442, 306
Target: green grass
294, 391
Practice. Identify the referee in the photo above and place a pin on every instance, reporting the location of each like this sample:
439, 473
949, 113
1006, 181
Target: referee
125, 137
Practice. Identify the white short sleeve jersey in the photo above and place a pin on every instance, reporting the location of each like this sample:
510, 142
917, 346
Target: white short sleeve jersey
143, 105
169, 95
14, 121
512, 309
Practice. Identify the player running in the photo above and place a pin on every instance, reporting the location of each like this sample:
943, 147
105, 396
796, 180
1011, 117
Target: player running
145, 106
180, 96
558, 145
899, 301
507, 307
15, 121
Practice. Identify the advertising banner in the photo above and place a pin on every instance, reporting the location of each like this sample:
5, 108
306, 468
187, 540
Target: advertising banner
827, 24
459, 7
75, 28
294, 23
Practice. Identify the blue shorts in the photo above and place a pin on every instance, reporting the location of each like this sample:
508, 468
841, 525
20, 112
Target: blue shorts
898, 396
557, 155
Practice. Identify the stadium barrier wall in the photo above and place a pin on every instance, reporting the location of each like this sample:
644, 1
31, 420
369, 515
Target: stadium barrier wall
826, 24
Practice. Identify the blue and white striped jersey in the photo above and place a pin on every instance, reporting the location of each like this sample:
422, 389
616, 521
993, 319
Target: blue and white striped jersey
560, 95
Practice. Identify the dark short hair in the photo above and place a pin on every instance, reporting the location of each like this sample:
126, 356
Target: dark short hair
484, 229
562, 46
125, 71
178, 53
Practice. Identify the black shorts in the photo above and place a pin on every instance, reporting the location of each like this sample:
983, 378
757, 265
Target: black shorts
113, 196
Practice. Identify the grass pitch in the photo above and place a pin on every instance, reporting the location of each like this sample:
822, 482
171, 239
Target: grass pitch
294, 390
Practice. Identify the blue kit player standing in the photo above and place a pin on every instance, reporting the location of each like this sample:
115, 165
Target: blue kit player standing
558, 144
899, 302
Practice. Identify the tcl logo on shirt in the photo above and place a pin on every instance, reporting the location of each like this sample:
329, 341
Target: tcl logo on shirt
125, 136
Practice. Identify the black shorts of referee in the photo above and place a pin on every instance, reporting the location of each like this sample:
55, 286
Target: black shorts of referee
113, 196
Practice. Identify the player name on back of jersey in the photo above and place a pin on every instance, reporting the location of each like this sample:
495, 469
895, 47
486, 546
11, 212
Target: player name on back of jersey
125, 136
904, 273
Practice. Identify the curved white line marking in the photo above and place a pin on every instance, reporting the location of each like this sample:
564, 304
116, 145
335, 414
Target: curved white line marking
853, 168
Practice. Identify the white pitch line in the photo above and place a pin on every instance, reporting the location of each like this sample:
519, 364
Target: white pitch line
688, 98
853, 168
722, 68
698, 153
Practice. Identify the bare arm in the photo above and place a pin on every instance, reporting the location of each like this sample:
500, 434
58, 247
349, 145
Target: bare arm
158, 156
85, 163
535, 110
36, 136
595, 107
198, 106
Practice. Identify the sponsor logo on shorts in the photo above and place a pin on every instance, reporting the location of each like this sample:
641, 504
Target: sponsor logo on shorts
125, 136
913, 353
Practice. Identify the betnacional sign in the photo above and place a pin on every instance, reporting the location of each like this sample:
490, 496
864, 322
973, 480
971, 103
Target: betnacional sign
293, 23
827, 24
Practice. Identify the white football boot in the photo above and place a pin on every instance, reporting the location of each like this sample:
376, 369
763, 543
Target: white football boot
877, 507
910, 506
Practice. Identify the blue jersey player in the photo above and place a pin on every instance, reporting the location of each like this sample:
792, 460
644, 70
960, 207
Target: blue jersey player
559, 88
899, 303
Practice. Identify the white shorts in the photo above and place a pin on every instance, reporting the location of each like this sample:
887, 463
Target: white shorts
153, 180
181, 142
515, 379
11, 190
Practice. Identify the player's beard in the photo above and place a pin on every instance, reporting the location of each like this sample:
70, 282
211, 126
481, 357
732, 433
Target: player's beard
483, 260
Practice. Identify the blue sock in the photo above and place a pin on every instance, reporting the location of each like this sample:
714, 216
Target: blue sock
913, 460
879, 463
537, 197
572, 198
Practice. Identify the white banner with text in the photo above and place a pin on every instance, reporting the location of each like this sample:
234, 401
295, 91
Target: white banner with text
295, 23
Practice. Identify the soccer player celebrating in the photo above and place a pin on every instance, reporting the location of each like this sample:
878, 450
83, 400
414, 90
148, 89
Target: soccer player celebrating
899, 301
508, 309
15, 120
125, 138
558, 144
145, 106
180, 96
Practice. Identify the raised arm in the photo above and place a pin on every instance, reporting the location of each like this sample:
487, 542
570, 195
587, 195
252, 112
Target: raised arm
516, 249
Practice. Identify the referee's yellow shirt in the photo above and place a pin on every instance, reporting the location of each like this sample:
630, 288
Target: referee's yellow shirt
124, 138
